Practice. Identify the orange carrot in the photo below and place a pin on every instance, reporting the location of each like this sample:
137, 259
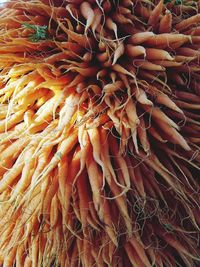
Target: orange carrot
155, 14
118, 53
184, 24
141, 37
135, 51
157, 54
143, 64
166, 39
112, 26
165, 25
88, 14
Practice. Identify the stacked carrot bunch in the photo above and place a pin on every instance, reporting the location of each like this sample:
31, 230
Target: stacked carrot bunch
99, 133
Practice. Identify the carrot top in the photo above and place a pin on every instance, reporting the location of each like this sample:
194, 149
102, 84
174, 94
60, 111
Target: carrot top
177, 2
39, 34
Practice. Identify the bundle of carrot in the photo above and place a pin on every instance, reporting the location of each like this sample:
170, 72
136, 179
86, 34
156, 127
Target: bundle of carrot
99, 133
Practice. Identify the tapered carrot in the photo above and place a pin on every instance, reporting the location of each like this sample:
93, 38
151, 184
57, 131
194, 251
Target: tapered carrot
112, 87
157, 54
120, 163
147, 65
133, 257
155, 14
174, 136
20, 255
54, 211
96, 21
88, 14
188, 96
109, 226
135, 51
96, 184
165, 25
142, 134
164, 99
9, 177
138, 246
184, 24
158, 114
118, 53
166, 39
82, 40
141, 37
9, 259
141, 97
112, 26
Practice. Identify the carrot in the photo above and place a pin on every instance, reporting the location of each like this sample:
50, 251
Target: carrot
62, 178
9, 177
153, 162
85, 42
166, 39
96, 184
132, 114
27, 262
12, 120
29, 88
137, 180
188, 52
164, 99
112, 26
112, 87
141, 37
132, 255
54, 211
142, 134
143, 64
13, 150
105, 250
122, 19
84, 198
193, 31
174, 136
188, 96
109, 223
68, 110
26, 174
111, 180
120, 162
74, 257
186, 105
87, 13
158, 114
184, 24
157, 54
10, 258
141, 97
118, 53
97, 20
96, 145
177, 245
35, 250
165, 24
20, 255
87, 257
143, 11
137, 245
65, 146
155, 14
135, 51
133, 121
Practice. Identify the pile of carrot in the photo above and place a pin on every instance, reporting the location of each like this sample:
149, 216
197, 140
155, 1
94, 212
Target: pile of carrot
99, 133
